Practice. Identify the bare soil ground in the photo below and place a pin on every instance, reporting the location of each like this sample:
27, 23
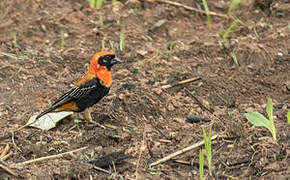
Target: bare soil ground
164, 44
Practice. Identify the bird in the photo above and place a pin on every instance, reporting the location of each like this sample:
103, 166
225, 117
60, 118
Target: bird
90, 89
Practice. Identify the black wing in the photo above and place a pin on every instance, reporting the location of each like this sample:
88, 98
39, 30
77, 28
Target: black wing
72, 95
76, 93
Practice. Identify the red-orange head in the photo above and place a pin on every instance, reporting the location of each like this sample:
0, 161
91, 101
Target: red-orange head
101, 60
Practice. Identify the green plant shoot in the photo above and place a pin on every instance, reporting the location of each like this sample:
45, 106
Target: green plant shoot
235, 58
15, 39
257, 119
122, 38
101, 19
207, 145
93, 3
199, 84
233, 5
171, 46
208, 21
103, 44
99, 4
201, 165
96, 3
230, 29
113, 1
112, 44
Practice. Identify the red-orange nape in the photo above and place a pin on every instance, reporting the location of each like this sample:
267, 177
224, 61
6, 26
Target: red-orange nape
100, 71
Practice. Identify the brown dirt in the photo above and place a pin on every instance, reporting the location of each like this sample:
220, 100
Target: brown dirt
35, 71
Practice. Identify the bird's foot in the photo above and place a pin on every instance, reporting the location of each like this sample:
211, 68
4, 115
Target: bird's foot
90, 119
98, 124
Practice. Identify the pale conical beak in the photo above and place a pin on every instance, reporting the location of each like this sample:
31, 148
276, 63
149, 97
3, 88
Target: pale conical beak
116, 60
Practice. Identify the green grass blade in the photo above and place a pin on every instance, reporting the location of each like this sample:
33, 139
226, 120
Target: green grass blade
204, 135
288, 117
235, 58
15, 39
233, 5
99, 4
96, 3
269, 109
257, 119
208, 150
92, 3
112, 44
171, 46
273, 131
201, 165
101, 20
206, 9
207, 144
230, 29
103, 44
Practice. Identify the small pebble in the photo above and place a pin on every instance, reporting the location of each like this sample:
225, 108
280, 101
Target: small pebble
278, 106
65, 35
157, 91
280, 54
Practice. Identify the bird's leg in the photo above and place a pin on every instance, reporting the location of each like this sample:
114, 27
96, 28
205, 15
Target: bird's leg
88, 115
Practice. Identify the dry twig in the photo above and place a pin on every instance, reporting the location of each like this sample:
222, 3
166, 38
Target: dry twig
17, 165
6, 156
5, 151
102, 170
180, 83
7, 169
110, 126
170, 156
191, 8
8, 54
26, 125
13, 141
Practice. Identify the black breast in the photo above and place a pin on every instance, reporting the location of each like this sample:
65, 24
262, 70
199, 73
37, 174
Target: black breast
94, 96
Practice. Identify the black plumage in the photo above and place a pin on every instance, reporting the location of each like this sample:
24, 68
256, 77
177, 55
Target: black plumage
94, 91
85, 96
